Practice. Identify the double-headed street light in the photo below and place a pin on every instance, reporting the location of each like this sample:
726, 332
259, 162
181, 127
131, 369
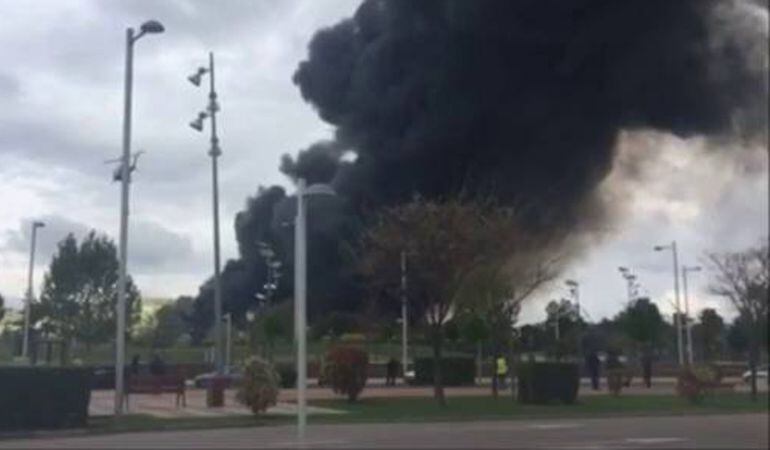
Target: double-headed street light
574, 290
631, 284
688, 320
30, 294
678, 315
214, 152
149, 27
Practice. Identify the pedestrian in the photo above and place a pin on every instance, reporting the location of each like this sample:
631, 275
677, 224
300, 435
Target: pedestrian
392, 372
135, 364
502, 372
592, 364
647, 368
157, 366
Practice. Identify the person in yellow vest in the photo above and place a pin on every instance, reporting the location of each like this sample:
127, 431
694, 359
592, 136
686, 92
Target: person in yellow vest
502, 372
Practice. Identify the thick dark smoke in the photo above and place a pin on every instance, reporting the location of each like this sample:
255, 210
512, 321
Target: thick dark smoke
519, 99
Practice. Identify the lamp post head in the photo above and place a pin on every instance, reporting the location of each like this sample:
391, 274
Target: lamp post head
197, 76
659, 248
197, 124
38, 224
152, 27
623, 270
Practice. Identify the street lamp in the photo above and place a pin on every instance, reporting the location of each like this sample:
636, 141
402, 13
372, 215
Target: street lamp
688, 321
30, 295
672, 247
300, 294
574, 290
404, 318
631, 284
214, 152
149, 27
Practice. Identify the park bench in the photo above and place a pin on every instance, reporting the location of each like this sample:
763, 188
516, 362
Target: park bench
157, 384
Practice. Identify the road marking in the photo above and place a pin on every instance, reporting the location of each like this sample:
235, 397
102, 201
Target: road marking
554, 426
655, 440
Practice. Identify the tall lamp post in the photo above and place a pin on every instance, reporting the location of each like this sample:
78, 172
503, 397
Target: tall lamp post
214, 152
688, 321
404, 318
30, 293
300, 294
149, 27
672, 247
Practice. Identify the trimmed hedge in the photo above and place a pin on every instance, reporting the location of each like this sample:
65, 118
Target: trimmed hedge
545, 382
40, 397
455, 371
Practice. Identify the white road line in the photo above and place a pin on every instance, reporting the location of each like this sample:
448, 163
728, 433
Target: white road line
655, 440
554, 426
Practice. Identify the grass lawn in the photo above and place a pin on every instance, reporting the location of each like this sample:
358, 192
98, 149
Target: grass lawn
384, 410
485, 408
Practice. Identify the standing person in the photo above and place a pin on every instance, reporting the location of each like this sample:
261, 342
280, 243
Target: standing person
157, 366
647, 368
392, 372
135, 365
593, 363
502, 372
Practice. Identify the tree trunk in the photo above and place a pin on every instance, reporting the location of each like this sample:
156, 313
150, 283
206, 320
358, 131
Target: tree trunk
479, 373
753, 357
438, 382
495, 380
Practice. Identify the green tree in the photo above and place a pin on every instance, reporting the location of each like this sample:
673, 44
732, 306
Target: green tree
738, 337
80, 292
165, 327
642, 323
743, 278
563, 315
2, 307
709, 332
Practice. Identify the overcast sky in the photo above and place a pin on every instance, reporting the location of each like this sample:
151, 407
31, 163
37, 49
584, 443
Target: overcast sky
61, 91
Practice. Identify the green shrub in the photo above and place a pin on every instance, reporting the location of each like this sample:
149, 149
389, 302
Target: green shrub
544, 382
346, 370
38, 397
693, 382
259, 386
455, 371
616, 380
288, 375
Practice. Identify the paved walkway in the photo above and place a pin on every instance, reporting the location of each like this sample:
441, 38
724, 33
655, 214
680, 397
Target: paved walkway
726, 431
164, 406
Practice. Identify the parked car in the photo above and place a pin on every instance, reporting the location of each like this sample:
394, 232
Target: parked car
232, 379
761, 374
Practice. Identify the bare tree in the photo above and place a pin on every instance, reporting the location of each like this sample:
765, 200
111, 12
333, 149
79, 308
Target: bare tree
454, 247
742, 278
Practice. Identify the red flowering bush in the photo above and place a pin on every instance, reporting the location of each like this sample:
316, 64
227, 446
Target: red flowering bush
345, 370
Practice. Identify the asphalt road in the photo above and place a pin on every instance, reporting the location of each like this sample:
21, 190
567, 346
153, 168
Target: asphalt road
725, 431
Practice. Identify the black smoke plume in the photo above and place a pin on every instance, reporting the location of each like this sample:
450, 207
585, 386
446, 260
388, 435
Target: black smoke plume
521, 99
